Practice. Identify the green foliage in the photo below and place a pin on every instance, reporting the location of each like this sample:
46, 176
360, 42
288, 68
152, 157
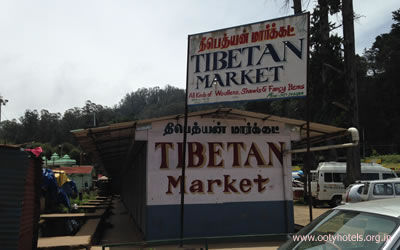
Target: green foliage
76, 201
75, 154
89, 196
380, 91
85, 197
392, 158
10, 132
150, 103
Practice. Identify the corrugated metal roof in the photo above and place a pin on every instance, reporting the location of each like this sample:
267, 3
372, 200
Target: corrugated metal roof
109, 145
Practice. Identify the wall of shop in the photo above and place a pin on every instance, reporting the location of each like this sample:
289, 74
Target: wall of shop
238, 180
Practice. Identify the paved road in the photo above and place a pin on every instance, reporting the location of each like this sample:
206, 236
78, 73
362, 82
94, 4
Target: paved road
302, 214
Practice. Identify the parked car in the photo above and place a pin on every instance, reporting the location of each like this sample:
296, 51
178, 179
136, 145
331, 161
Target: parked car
297, 174
352, 193
381, 189
362, 225
327, 186
298, 189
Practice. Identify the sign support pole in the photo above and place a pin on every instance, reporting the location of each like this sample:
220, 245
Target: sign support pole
183, 179
308, 160
308, 156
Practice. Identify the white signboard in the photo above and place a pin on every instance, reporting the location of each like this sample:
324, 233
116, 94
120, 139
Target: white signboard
265, 60
238, 162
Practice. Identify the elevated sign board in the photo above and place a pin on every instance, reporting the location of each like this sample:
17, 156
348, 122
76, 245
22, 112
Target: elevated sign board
264, 60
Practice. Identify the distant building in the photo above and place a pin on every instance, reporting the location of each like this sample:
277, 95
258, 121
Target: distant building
81, 175
55, 160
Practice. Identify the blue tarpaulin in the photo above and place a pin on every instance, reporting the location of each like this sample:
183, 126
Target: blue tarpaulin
70, 189
50, 185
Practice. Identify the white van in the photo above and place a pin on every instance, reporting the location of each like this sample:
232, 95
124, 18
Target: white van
328, 184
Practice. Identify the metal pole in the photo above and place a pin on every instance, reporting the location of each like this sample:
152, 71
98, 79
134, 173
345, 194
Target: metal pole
184, 150
284, 177
308, 179
183, 170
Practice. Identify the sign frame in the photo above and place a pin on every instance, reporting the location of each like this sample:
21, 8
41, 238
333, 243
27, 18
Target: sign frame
266, 60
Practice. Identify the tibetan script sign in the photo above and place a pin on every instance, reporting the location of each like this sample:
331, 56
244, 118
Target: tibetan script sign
265, 60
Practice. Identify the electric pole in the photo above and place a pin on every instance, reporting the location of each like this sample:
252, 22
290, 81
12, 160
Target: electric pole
2, 102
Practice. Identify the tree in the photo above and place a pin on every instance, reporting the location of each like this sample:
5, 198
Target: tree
11, 132
353, 168
49, 127
30, 125
297, 6
152, 102
382, 61
326, 67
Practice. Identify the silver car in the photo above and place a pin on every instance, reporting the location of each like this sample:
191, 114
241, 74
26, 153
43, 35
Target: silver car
381, 189
353, 193
362, 225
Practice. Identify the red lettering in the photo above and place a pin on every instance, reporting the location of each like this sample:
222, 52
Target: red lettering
164, 152
216, 153
228, 186
196, 150
213, 152
237, 146
255, 152
210, 185
278, 153
260, 183
245, 185
197, 186
173, 183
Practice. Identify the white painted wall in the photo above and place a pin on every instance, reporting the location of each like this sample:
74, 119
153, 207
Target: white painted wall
161, 192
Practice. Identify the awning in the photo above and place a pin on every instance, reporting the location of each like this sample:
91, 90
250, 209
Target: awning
110, 145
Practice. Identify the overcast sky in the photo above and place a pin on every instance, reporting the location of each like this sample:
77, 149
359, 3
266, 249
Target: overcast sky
56, 54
